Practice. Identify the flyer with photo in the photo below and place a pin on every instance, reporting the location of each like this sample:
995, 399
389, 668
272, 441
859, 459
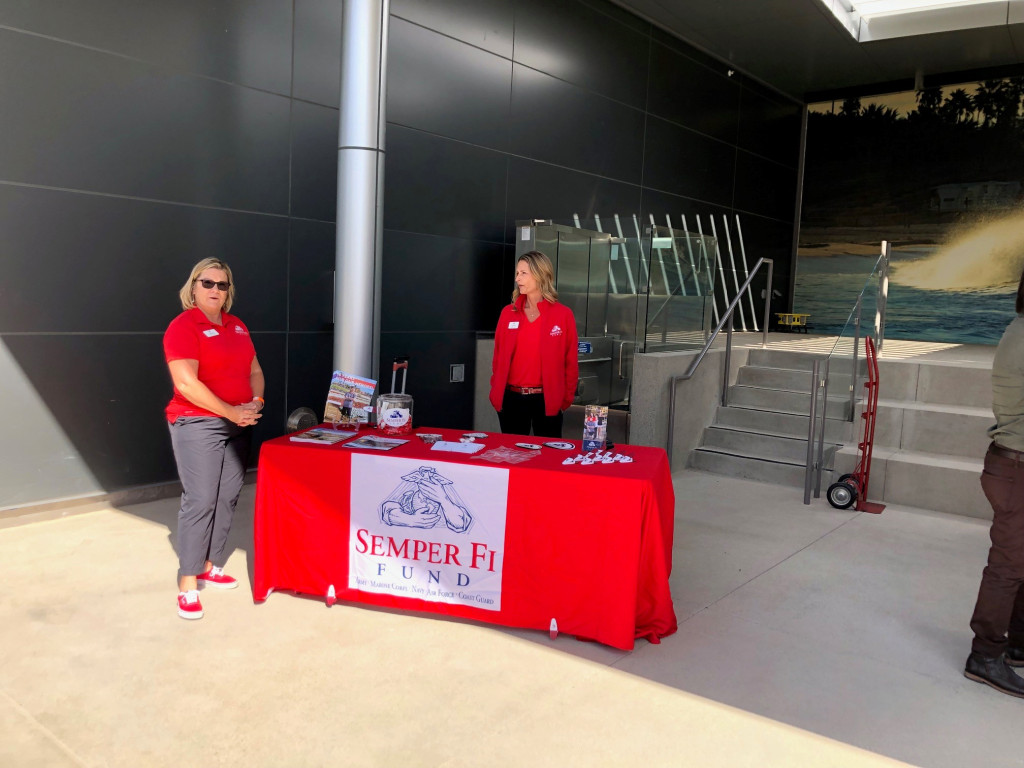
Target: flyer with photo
349, 400
595, 427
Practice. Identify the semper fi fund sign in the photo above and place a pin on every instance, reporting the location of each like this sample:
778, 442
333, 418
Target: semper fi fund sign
429, 530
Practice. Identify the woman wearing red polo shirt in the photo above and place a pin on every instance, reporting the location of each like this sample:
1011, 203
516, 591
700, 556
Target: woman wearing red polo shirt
535, 366
218, 394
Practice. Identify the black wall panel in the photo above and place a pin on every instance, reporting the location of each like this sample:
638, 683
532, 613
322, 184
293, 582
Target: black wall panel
310, 358
540, 191
770, 127
447, 87
487, 25
241, 41
436, 401
123, 261
580, 45
314, 161
441, 187
311, 276
687, 163
317, 53
692, 95
566, 125
764, 186
419, 292
80, 119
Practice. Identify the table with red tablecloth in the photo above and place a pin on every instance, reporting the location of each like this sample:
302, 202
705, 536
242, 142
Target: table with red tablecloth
588, 546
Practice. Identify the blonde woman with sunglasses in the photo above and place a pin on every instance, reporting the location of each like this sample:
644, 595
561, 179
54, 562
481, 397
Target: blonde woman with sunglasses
218, 397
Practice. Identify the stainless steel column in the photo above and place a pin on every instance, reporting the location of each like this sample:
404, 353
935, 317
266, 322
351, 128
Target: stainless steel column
360, 222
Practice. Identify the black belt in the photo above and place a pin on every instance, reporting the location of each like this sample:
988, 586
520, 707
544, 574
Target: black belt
998, 450
526, 390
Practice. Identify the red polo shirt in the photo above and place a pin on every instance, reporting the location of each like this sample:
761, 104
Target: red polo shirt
225, 354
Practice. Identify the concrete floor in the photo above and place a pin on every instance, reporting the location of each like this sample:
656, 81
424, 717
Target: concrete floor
808, 636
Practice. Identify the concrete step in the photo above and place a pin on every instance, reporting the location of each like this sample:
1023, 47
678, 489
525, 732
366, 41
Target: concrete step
841, 362
793, 424
925, 427
938, 383
784, 401
788, 379
760, 444
926, 480
753, 468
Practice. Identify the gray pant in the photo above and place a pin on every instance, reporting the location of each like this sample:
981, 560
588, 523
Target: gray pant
211, 454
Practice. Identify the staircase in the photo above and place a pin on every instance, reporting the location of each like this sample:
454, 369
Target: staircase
930, 437
762, 433
930, 433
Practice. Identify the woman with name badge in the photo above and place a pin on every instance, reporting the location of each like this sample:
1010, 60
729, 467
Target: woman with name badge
218, 396
535, 368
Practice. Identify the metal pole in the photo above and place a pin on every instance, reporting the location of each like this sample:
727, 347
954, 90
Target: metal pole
728, 359
693, 266
718, 258
810, 432
360, 207
821, 433
675, 255
767, 303
625, 254
856, 351
883, 296
746, 274
735, 275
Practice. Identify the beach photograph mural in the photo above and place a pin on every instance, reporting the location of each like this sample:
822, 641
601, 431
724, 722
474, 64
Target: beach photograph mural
937, 173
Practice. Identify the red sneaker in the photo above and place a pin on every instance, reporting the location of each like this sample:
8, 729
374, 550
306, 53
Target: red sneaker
215, 577
189, 606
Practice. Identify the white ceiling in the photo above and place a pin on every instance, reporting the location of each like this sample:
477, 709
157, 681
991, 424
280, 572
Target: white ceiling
802, 48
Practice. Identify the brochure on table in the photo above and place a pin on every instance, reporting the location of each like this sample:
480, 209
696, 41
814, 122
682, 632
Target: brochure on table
349, 400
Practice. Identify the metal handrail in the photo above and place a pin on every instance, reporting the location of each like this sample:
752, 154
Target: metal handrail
726, 322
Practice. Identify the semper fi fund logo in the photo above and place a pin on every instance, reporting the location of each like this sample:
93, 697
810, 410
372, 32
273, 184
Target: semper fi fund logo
428, 530
556, 330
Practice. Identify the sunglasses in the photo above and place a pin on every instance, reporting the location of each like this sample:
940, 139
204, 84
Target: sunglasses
208, 284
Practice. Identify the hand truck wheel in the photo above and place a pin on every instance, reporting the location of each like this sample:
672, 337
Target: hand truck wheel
841, 495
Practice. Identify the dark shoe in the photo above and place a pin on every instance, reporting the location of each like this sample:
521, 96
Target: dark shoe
994, 672
1015, 657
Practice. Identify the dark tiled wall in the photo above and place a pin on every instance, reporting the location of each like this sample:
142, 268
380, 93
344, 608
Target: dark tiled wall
518, 109
140, 136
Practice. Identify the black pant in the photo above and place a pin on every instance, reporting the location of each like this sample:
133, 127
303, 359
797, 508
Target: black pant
1000, 607
520, 413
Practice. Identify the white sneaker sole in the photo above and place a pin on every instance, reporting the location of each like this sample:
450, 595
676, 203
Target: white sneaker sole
202, 583
190, 614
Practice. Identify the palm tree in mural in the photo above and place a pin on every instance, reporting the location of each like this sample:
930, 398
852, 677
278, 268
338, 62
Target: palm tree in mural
851, 107
928, 102
879, 114
999, 101
958, 108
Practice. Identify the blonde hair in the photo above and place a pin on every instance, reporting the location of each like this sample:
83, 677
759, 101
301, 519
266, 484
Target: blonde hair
543, 272
186, 294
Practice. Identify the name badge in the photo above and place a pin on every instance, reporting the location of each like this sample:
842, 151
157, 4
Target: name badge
513, 324
211, 332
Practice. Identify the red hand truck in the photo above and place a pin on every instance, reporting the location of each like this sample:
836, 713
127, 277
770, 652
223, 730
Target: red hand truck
854, 487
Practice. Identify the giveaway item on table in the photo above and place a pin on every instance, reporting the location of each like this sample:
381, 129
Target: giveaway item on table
475, 435
429, 437
375, 443
322, 435
394, 410
560, 445
528, 446
506, 455
349, 400
597, 457
595, 427
459, 447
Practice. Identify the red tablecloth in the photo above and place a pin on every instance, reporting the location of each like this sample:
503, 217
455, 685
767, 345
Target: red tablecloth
588, 546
